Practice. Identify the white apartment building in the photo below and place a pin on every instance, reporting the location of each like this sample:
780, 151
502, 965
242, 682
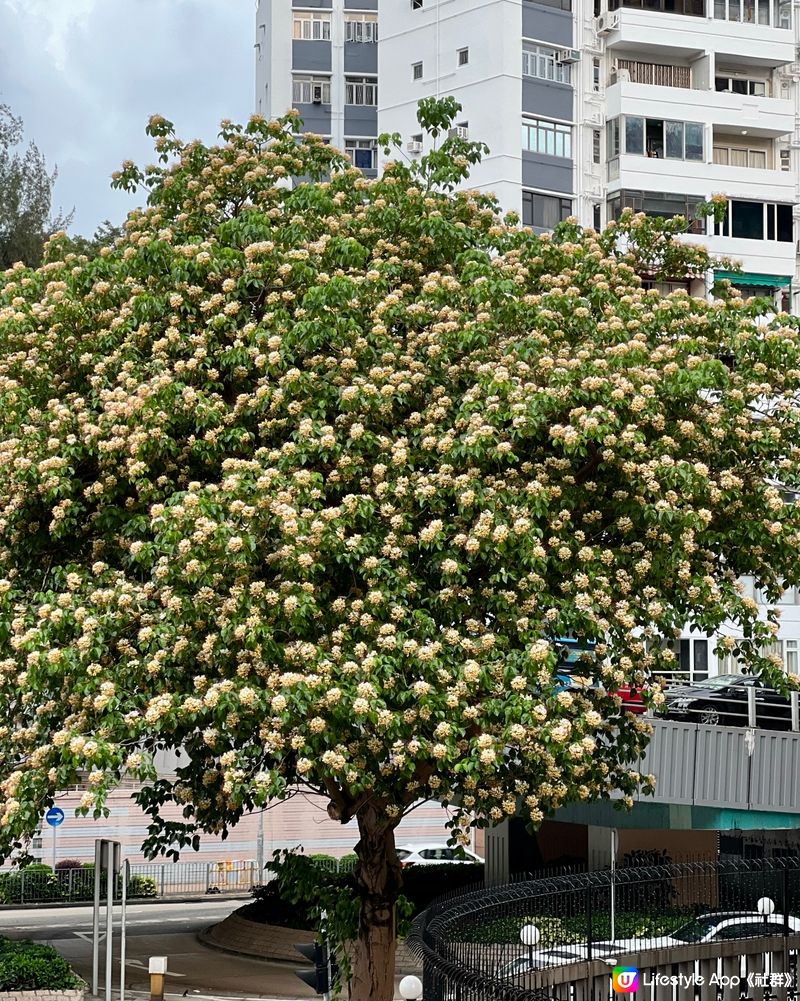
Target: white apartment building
321, 57
591, 106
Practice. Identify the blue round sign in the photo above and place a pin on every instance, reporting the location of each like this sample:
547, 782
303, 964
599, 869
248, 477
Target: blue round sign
54, 816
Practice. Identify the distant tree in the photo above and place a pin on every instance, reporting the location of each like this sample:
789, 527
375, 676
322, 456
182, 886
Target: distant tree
26, 190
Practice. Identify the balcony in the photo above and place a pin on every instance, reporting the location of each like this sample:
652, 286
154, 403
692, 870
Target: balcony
761, 256
700, 178
667, 35
769, 117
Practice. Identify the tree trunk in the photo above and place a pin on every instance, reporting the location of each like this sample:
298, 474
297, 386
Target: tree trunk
378, 877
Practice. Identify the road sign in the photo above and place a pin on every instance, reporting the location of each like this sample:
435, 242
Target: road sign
54, 816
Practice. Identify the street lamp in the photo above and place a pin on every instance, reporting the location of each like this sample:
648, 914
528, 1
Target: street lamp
765, 907
411, 988
529, 935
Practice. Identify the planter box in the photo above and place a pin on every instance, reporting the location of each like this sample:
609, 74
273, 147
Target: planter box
73, 995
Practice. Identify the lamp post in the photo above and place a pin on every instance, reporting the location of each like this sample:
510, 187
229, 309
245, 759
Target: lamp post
411, 988
529, 935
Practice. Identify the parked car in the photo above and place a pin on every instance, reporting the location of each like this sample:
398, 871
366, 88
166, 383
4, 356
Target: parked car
713, 926
569, 651
723, 700
435, 854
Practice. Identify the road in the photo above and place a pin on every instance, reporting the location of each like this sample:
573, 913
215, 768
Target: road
160, 929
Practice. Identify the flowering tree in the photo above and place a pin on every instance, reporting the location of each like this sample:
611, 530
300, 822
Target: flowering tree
309, 480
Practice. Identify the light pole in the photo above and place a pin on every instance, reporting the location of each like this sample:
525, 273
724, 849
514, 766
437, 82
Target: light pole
765, 907
529, 935
411, 988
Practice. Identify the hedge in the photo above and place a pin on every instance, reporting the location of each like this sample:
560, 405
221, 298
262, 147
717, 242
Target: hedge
31, 966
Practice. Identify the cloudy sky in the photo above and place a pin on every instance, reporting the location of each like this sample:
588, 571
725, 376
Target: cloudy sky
85, 75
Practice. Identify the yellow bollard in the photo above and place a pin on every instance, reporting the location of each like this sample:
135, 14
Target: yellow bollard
158, 976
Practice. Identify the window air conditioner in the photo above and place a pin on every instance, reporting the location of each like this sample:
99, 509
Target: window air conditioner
459, 132
316, 94
567, 55
414, 146
624, 76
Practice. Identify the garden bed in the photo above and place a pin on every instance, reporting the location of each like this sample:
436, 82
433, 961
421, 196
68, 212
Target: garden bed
31, 970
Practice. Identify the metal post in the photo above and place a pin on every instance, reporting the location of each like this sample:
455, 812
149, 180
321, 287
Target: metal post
794, 702
260, 847
163, 867
613, 882
126, 868
751, 707
55, 828
109, 918
98, 862
589, 922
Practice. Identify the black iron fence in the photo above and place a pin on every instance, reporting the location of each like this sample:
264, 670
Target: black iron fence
479, 946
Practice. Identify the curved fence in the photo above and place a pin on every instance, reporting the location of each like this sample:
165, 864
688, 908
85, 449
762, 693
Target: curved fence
492, 944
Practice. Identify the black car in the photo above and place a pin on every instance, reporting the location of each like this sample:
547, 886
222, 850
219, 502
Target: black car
723, 700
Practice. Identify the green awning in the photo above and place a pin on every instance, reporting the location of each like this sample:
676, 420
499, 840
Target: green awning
752, 278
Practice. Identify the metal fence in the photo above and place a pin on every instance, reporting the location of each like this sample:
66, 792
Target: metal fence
481, 945
148, 879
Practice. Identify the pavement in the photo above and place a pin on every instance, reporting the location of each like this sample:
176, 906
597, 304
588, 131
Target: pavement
161, 929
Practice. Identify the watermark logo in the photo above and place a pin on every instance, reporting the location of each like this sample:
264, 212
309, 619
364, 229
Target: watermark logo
624, 979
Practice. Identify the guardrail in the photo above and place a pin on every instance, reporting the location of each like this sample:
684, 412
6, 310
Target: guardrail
747, 705
38, 885
488, 945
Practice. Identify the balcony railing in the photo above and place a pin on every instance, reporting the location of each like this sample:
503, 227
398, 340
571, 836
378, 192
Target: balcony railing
656, 74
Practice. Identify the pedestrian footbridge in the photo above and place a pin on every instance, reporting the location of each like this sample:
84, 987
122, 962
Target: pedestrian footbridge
707, 778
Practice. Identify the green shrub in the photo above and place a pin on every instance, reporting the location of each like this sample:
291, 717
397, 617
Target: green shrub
142, 886
31, 966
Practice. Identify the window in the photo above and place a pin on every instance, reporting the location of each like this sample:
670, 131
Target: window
360, 28
310, 26
657, 138
540, 61
596, 76
790, 653
596, 220
757, 221
544, 211
311, 90
692, 8
416, 4
754, 12
740, 156
551, 138
361, 90
739, 85
654, 74
596, 145
416, 71
463, 56
362, 153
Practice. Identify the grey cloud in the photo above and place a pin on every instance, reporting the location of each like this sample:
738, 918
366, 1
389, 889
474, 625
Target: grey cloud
189, 60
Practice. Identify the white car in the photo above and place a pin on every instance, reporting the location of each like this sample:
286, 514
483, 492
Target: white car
714, 926
434, 854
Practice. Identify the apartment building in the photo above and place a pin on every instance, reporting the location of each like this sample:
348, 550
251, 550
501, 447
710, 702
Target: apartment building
321, 57
592, 106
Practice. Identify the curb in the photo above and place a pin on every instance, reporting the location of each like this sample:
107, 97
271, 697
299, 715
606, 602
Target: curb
204, 938
62, 905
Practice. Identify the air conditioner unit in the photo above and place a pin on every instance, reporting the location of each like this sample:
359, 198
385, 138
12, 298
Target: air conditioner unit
459, 132
567, 55
607, 22
414, 146
624, 76
316, 94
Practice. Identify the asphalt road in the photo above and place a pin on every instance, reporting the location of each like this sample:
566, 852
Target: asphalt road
159, 929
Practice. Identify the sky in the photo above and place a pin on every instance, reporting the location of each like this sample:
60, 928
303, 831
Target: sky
85, 75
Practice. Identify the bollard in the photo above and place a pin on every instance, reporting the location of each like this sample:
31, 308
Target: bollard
158, 974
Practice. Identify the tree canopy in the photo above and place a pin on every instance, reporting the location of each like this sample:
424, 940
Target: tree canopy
26, 190
309, 481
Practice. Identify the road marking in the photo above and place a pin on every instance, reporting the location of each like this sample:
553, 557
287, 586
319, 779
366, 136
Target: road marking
87, 936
